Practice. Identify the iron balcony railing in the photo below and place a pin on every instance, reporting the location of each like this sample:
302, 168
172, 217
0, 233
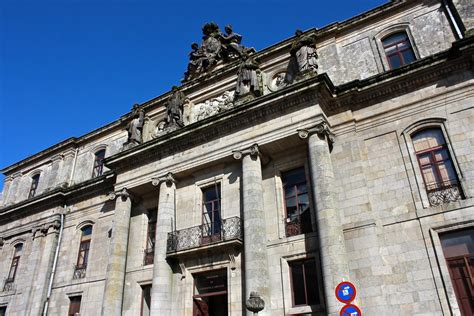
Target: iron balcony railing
79, 271
148, 256
445, 192
198, 236
9, 285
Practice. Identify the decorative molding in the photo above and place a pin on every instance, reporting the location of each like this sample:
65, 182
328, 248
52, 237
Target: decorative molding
232, 262
168, 179
49, 227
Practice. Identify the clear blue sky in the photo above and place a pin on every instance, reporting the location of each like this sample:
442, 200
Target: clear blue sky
68, 67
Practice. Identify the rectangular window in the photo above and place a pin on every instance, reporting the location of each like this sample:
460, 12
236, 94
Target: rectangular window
150, 240
3, 310
458, 248
304, 282
15, 262
74, 305
211, 213
298, 212
146, 300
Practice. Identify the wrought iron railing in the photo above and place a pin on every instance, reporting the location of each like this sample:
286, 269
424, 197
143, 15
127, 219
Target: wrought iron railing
445, 192
193, 237
9, 285
297, 226
148, 256
79, 271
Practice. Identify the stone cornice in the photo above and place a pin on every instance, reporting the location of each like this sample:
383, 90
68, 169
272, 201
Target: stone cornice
58, 197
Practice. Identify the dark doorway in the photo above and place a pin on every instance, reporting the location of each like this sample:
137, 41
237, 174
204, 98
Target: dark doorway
210, 294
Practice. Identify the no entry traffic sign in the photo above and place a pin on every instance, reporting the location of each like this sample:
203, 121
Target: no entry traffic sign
350, 310
345, 292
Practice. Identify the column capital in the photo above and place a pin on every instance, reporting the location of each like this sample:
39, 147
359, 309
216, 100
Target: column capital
124, 194
322, 129
167, 178
42, 230
252, 150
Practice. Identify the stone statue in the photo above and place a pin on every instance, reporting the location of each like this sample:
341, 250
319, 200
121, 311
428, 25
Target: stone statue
216, 47
231, 42
135, 126
304, 50
303, 56
248, 79
174, 107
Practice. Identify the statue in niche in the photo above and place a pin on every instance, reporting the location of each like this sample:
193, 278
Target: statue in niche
174, 107
135, 126
248, 78
215, 47
303, 57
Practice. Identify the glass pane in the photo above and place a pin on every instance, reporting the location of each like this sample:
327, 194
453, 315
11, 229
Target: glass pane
441, 154
86, 231
18, 250
146, 304
394, 38
447, 173
297, 282
302, 188
311, 282
394, 61
303, 203
211, 193
458, 243
408, 56
424, 159
429, 175
290, 191
427, 139
390, 50
290, 178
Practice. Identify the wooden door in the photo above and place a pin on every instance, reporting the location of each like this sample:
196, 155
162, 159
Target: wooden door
461, 270
200, 307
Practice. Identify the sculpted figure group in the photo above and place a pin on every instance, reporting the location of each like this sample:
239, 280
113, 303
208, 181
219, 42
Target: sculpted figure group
216, 46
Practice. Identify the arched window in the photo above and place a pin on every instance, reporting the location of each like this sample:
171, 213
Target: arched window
34, 185
398, 49
13, 267
83, 255
439, 175
98, 163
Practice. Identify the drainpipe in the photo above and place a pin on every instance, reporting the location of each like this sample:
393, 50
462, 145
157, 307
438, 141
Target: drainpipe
55, 263
453, 19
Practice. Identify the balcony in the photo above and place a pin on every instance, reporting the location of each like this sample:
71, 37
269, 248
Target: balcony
148, 256
445, 192
195, 239
79, 271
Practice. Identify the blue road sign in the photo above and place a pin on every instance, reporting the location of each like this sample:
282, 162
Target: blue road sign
350, 310
345, 292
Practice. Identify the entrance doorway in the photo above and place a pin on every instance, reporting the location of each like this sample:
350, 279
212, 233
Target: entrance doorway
210, 293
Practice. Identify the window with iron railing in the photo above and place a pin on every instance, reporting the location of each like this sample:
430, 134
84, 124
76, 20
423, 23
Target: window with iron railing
98, 163
34, 185
439, 175
83, 255
298, 212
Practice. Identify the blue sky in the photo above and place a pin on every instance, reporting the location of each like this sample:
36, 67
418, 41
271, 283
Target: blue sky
68, 67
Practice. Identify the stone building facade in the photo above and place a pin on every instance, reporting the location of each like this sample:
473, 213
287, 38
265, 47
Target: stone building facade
344, 153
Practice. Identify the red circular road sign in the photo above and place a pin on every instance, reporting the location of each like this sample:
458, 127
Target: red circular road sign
345, 292
350, 310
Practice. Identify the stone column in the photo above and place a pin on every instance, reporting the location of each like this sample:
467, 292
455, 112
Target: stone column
49, 233
161, 300
115, 279
255, 237
332, 248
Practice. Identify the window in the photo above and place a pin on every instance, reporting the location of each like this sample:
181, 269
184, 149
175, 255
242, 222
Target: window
83, 256
34, 185
436, 166
211, 213
304, 282
398, 50
146, 300
150, 239
3, 310
13, 267
98, 163
210, 293
298, 218
74, 305
458, 248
